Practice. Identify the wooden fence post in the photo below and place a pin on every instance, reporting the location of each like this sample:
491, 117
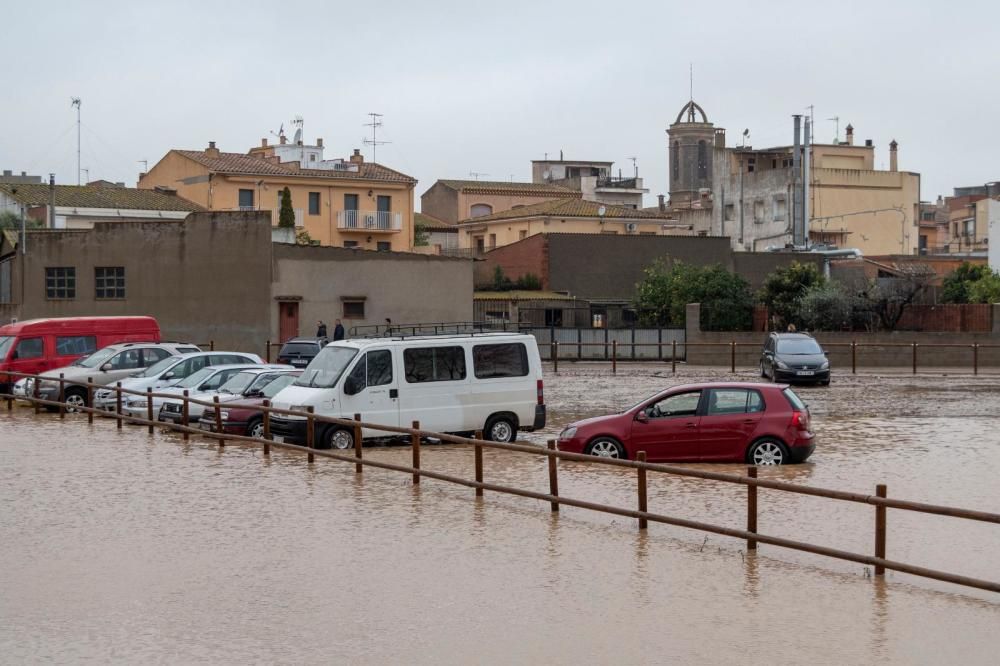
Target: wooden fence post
218, 421
553, 476
673, 358
854, 357
267, 427
62, 396
358, 441
732, 356
310, 434
880, 491
118, 403
914, 358
975, 358
211, 345
267, 351
752, 507
186, 414
479, 461
614, 357
641, 472
90, 399
415, 444
555, 356
149, 409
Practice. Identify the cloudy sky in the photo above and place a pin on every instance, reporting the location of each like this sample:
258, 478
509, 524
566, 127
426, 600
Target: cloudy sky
486, 86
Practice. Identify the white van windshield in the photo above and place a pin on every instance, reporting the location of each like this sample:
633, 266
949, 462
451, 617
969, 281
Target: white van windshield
325, 370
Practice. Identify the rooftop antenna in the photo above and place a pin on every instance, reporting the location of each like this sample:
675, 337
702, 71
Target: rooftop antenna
477, 174
374, 124
836, 137
145, 165
75, 101
635, 165
691, 79
297, 122
746, 137
280, 133
87, 171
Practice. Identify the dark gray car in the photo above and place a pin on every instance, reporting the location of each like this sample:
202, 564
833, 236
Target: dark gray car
794, 358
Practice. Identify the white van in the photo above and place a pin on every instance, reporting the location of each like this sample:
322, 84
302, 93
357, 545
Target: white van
449, 383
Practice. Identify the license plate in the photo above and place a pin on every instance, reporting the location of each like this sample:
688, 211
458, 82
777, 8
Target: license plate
804, 373
278, 439
300, 362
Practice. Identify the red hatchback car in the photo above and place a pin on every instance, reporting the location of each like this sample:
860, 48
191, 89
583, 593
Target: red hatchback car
760, 424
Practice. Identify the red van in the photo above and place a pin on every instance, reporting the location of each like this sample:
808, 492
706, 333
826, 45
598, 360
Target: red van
36, 345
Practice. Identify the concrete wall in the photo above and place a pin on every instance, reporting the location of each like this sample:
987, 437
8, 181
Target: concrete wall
898, 351
440, 201
756, 266
406, 287
205, 278
504, 232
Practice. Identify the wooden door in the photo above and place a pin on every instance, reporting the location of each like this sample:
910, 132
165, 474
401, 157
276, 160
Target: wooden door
288, 320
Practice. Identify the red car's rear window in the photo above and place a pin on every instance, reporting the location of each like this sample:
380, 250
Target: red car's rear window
795, 400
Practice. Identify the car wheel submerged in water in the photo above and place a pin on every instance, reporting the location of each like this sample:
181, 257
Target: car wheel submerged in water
339, 438
768, 452
606, 447
500, 429
255, 428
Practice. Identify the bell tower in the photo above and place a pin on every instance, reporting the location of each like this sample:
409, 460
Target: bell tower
691, 139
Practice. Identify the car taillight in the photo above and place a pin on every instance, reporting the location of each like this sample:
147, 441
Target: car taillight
800, 420
541, 393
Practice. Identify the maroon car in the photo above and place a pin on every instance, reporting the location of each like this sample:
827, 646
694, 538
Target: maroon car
244, 417
760, 424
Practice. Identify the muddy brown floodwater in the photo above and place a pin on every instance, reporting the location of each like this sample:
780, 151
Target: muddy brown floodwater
125, 547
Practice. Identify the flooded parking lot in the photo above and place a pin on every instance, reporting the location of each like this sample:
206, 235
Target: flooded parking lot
118, 546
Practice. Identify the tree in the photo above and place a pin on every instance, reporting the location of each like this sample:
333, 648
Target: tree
665, 291
957, 284
828, 307
9, 220
888, 298
286, 214
785, 286
420, 234
986, 289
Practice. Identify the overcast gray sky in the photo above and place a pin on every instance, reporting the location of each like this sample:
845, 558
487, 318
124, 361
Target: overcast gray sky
489, 86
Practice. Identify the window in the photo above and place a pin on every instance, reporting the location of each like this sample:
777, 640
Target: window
350, 202
246, 199
314, 203
522, 234
28, 348
478, 210
553, 316
6, 272
354, 309
152, 355
493, 241
730, 212
373, 369
434, 364
734, 401
109, 282
758, 211
130, 359
218, 379
509, 360
384, 246
350, 243
384, 203
751, 164
75, 345
675, 161
681, 404
60, 282
481, 242
780, 208
702, 159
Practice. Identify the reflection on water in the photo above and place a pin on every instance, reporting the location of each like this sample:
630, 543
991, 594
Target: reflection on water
118, 546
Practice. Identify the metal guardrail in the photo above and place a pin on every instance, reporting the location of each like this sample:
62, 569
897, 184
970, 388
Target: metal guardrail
879, 500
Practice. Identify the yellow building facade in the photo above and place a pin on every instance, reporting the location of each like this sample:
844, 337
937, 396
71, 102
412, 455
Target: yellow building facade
345, 203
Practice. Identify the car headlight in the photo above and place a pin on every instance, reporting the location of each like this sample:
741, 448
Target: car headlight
781, 365
825, 365
224, 415
299, 408
568, 433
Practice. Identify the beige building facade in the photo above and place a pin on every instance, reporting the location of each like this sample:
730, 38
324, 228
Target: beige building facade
344, 203
452, 201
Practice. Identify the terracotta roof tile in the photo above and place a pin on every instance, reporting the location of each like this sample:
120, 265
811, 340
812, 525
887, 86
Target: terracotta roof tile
504, 187
88, 196
569, 208
432, 223
241, 163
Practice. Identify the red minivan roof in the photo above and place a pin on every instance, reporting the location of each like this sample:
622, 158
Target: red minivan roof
89, 324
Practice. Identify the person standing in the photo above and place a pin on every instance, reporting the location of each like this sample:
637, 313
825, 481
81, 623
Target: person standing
338, 331
320, 329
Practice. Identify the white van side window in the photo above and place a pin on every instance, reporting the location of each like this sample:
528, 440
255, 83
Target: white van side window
434, 364
506, 360
373, 369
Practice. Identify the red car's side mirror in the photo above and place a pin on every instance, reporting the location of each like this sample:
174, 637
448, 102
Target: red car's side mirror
641, 417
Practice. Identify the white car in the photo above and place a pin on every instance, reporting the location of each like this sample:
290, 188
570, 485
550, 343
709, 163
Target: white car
246, 382
170, 371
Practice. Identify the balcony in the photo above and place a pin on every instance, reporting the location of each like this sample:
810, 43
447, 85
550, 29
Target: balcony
619, 183
369, 221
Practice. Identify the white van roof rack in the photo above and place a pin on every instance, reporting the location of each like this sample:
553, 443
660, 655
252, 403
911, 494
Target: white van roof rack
431, 329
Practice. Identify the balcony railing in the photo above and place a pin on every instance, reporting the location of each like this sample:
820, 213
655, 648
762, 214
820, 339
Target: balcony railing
623, 183
364, 220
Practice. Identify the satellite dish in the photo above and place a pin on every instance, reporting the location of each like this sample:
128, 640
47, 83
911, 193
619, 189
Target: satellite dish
601, 211
298, 136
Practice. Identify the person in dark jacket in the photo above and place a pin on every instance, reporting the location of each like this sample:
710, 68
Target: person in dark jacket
320, 329
338, 331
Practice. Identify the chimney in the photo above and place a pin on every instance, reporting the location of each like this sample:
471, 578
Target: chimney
282, 140
212, 151
52, 201
142, 174
263, 143
357, 157
8, 172
662, 204
850, 134
319, 143
299, 142
893, 156
868, 143
720, 137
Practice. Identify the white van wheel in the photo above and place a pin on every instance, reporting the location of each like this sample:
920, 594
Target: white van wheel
340, 439
501, 429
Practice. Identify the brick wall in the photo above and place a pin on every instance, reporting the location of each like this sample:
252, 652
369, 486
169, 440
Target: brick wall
965, 318
517, 260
